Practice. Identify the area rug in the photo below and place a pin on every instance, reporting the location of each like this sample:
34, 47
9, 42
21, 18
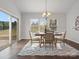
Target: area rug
35, 50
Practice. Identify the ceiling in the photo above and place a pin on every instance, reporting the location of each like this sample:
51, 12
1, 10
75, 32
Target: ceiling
55, 6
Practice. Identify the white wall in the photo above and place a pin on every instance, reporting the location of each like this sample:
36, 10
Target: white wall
72, 33
26, 17
9, 7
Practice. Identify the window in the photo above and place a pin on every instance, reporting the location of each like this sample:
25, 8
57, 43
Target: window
4, 21
34, 25
8, 27
38, 25
4, 29
42, 24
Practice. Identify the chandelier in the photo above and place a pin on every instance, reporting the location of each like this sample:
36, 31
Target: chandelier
46, 13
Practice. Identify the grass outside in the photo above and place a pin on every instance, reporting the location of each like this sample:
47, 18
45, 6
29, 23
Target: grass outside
14, 32
5, 33
37, 28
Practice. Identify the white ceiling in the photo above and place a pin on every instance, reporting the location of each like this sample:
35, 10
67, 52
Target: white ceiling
55, 6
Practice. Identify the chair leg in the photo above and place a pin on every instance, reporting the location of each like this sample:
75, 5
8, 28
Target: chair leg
52, 46
55, 43
64, 43
31, 42
45, 45
40, 43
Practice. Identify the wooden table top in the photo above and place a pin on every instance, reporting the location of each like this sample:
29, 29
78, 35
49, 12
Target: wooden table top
42, 34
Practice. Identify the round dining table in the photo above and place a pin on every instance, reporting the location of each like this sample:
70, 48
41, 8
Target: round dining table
42, 35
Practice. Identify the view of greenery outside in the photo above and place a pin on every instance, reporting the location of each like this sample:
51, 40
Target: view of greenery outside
42, 28
38, 25
4, 25
34, 28
14, 28
4, 29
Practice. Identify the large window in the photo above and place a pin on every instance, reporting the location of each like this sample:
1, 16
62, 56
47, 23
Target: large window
4, 29
34, 25
38, 25
8, 28
4, 21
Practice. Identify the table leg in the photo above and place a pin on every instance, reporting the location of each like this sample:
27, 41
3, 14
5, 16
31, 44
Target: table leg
40, 41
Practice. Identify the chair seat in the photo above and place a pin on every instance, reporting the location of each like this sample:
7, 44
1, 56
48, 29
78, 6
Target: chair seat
36, 36
48, 39
33, 38
59, 37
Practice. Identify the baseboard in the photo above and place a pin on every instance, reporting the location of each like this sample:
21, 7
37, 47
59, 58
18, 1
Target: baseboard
72, 43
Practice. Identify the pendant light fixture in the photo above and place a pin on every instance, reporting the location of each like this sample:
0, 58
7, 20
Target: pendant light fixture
46, 13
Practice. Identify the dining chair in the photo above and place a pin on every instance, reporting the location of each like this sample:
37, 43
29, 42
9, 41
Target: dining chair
61, 38
33, 38
49, 39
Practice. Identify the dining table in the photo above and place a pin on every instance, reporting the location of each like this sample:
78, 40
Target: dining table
42, 34
41, 37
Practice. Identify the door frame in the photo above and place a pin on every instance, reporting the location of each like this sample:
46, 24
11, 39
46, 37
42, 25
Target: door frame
18, 29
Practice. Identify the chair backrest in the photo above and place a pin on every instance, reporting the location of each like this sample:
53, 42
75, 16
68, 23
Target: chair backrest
30, 35
49, 36
63, 35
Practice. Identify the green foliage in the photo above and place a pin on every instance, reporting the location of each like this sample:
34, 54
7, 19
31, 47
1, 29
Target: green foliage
1, 23
4, 23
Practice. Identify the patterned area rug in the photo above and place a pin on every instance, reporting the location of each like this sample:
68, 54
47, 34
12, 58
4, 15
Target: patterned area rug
61, 50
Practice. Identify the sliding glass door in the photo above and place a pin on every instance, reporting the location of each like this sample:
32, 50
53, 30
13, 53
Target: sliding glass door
4, 29
8, 29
